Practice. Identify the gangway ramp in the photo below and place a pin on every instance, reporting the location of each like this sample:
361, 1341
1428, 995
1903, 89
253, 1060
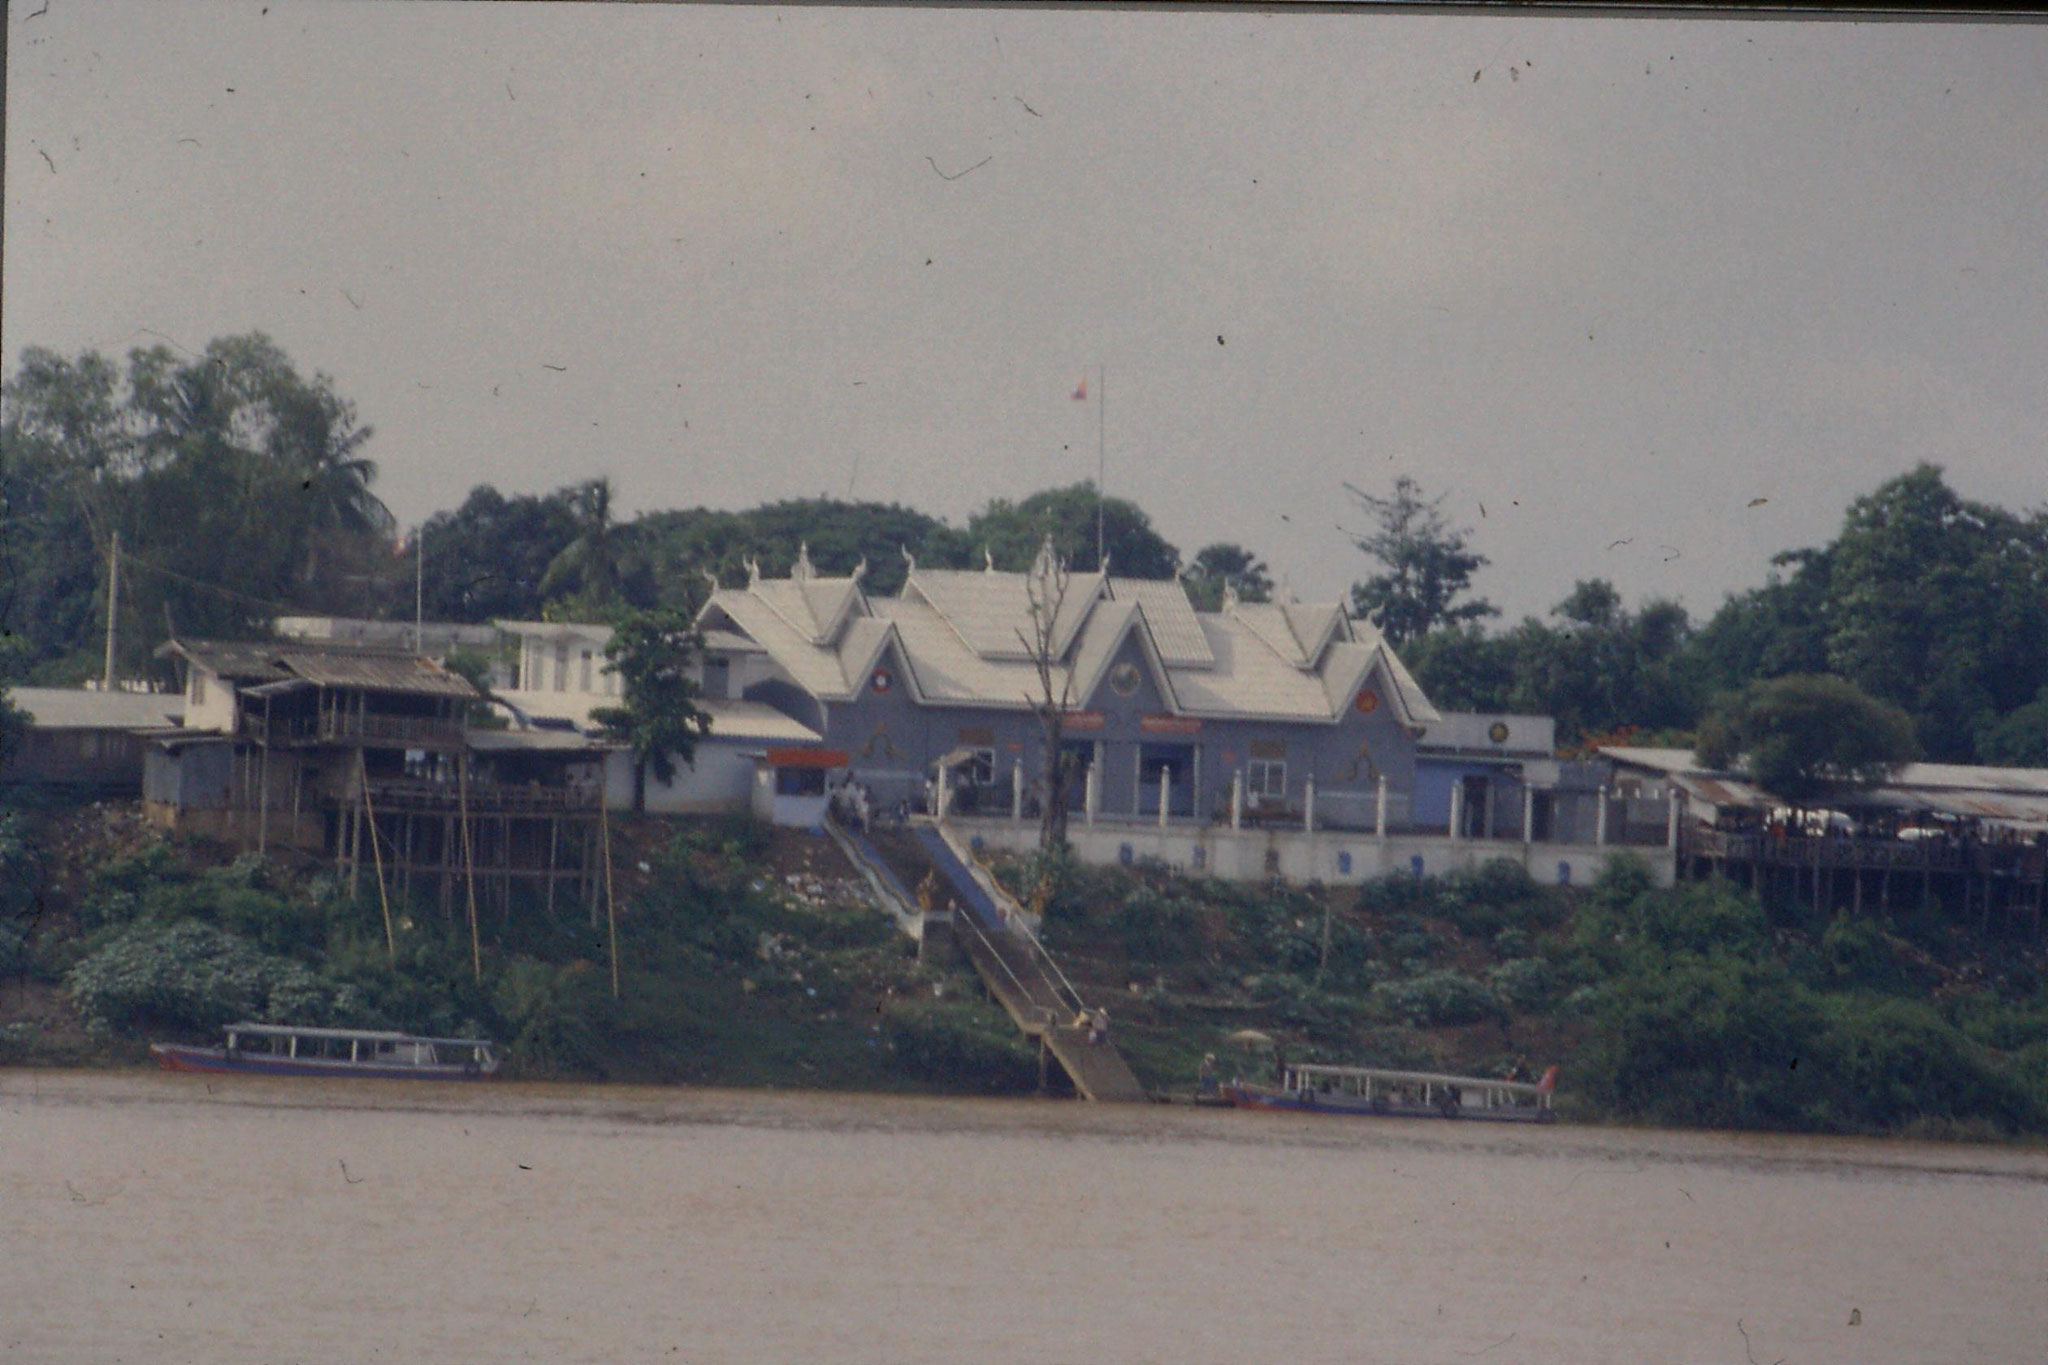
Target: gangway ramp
1015, 967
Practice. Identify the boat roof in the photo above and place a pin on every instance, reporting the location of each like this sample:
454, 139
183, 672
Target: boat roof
1378, 1073
381, 1035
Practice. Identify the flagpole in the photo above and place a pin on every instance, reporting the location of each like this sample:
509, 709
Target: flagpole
1101, 454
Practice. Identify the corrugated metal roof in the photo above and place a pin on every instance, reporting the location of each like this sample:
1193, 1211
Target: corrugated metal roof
533, 741
375, 671
70, 708
753, 720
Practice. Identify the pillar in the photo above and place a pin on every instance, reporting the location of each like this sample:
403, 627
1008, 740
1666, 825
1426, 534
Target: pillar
1165, 792
1017, 790
1091, 790
1671, 801
1308, 804
1457, 805
1600, 821
1379, 809
1237, 799
1528, 814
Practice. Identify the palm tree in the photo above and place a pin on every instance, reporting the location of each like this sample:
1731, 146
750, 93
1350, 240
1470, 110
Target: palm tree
589, 564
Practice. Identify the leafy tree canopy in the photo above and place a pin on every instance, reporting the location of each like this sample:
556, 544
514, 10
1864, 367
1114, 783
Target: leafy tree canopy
1427, 564
1806, 735
1012, 533
1222, 565
653, 653
681, 547
485, 560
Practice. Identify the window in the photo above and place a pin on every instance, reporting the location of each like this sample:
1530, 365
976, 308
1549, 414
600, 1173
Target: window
198, 687
980, 769
585, 686
561, 668
799, 781
1266, 777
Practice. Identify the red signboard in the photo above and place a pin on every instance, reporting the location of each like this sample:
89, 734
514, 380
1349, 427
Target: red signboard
1083, 720
1170, 725
806, 758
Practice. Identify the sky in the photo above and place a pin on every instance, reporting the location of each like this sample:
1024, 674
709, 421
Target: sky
1644, 299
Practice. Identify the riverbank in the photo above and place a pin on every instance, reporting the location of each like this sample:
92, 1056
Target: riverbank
753, 958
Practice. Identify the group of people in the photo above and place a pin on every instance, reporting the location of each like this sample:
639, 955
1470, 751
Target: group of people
853, 805
1096, 1022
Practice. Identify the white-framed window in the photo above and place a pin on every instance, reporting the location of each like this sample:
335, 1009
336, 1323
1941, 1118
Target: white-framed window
198, 687
1266, 777
981, 768
561, 668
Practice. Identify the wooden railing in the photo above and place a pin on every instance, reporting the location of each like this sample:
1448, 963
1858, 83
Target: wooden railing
1933, 855
484, 798
342, 727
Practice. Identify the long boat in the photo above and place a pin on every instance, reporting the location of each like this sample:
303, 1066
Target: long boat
1313, 1088
286, 1050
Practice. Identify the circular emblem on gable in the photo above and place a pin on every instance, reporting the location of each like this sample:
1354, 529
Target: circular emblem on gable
1368, 701
1124, 679
1498, 732
882, 680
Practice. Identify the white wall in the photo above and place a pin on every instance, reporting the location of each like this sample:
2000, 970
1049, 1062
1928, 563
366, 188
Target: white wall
721, 781
1241, 855
209, 701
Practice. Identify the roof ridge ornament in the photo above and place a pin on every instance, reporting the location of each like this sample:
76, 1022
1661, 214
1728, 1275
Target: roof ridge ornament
712, 579
988, 560
909, 559
802, 571
859, 570
753, 570
1230, 598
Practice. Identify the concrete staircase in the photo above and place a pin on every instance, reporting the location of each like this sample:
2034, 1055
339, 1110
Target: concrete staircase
994, 933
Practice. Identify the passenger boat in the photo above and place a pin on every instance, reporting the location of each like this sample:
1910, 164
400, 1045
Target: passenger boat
284, 1050
1316, 1089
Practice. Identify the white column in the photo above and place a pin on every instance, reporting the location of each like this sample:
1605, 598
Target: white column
1671, 800
1165, 778
1017, 790
1457, 804
1308, 803
1600, 824
945, 802
1237, 799
1528, 815
1379, 810
1091, 795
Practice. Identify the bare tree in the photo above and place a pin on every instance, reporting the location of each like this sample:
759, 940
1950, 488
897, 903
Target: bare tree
1045, 589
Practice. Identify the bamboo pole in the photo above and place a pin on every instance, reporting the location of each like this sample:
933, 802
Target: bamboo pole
611, 908
377, 854
476, 952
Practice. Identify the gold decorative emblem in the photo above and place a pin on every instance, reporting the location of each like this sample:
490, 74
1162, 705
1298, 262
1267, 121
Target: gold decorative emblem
1498, 732
1368, 701
1124, 679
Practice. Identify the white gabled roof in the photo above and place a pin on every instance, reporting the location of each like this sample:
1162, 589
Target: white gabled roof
76, 708
965, 638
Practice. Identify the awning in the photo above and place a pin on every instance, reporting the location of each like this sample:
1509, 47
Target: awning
1724, 792
2003, 807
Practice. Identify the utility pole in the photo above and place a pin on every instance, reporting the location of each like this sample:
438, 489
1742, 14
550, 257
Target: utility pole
1101, 454
419, 589
113, 607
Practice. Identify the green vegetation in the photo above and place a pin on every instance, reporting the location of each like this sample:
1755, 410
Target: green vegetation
728, 974
1803, 736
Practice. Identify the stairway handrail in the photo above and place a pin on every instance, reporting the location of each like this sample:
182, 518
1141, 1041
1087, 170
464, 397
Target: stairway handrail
1017, 918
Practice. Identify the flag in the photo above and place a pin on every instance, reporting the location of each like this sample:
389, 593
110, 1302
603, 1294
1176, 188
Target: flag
1081, 390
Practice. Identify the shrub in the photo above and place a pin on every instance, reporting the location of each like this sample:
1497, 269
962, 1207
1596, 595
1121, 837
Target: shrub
1525, 983
192, 976
1437, 998
548, 1013
955, 1044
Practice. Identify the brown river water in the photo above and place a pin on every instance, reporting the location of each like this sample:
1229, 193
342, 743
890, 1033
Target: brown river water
149, 1217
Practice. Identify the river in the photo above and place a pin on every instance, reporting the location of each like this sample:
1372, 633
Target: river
149, 1217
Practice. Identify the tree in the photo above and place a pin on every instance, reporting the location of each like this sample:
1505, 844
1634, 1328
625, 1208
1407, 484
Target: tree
583, 579
1807, 735
486, 559
652, 652
1045, 586
1013, 533
1429, 564
1223, 565
680, 547
2018, 739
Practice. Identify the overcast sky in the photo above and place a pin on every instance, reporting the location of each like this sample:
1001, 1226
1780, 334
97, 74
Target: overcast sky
1605, 283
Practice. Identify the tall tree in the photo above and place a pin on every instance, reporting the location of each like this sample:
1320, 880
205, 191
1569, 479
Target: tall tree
1226, 566
681, 547
584, 579
1428, 564
653, 652
1805, 736
486, 559
1013, 533
1046, 584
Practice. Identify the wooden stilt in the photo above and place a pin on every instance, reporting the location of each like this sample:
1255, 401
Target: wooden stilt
554, 839
377, 853
610, 905
476, 952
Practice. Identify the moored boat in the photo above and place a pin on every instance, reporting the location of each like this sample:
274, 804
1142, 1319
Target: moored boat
1363, 1090
285, 1050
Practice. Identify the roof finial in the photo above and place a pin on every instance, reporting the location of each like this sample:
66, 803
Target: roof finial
1229, 594
1286, 594
753, 570
908, 558
988, 560
860, 568
802, 570
712, 579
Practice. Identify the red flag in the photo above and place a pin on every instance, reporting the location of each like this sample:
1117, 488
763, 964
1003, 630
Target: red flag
1081, 392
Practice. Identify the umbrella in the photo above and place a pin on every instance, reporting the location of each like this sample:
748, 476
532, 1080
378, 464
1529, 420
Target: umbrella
1249, 1037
